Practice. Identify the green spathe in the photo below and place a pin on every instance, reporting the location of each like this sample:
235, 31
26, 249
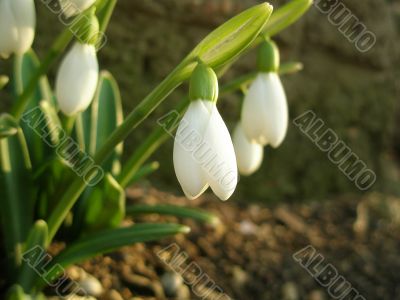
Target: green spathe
268, 59
87, 28
203, 84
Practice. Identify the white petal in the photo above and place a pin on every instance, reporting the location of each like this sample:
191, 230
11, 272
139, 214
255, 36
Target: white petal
74, 7
188, 138
249, 155
265, 111
8, 29
77, 79
25, 18
220, 168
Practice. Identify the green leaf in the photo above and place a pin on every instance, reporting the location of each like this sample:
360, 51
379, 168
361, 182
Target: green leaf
106, 115
37, 238
144, 171
110, 240
25, 66
17, 193
173, 210
53, 122
233, 37
286, 15
105, 205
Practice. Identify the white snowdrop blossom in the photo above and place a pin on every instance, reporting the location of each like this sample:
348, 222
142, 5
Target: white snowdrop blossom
17, 26
249, 156
77, 78
203, 152
265, 111
72, 8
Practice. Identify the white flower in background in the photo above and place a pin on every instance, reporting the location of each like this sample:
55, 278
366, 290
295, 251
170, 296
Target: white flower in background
203, 151
77, 78
265, 109
72, 8
17, 26
78, 74
249, 156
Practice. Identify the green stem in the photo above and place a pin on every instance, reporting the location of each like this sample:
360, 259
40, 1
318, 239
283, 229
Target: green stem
105, 14
68, 123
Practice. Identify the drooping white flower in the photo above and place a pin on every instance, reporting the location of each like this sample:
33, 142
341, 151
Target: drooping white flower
72, 8
249, 156
203, 152
77, 79
17, 26
265, 111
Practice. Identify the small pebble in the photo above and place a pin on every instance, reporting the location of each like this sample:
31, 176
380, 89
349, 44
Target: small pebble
113, 295
289, 291
240, 277
91, 285
316, 295
171, 283
248, 227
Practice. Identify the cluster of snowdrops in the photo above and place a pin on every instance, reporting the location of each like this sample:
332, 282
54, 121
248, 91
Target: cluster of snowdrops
85, 101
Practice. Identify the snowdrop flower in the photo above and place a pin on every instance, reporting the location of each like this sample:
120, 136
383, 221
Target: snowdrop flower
265, 109
17, 26
77, 76
72, 8
249, 156
203, 151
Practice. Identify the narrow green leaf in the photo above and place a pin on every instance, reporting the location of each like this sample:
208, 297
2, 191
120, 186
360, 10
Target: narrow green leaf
286, 15
53, 122
106, 116
25, 66
37, 238
144, 171
17, 193
173, 210
94, 126
110, 240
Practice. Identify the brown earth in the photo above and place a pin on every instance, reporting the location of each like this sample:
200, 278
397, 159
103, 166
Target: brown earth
249, 255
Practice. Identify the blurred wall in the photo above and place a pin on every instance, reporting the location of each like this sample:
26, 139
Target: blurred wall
356, 94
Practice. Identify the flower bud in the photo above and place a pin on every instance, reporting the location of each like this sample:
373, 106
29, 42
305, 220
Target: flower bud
203, 84
17, 26
77, 78
268, 59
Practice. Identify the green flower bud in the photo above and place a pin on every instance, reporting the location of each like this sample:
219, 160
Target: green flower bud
203, 84
268, 57
87, 28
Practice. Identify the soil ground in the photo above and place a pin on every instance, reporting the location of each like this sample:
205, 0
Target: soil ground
249, 255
